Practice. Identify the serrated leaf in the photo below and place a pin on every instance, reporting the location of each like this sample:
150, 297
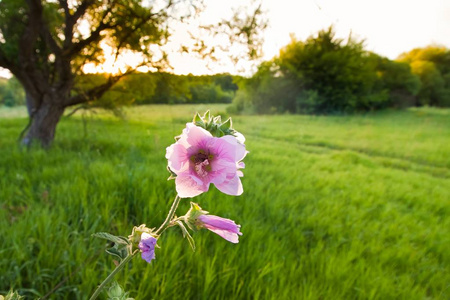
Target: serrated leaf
115, 239
118, 251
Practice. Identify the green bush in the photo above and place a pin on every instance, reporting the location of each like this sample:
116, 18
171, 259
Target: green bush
11, 92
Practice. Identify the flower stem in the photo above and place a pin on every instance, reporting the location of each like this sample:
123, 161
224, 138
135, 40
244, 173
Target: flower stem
163, 226
110, 276
170, 215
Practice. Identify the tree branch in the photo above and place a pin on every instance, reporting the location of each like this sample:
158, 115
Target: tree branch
96, 92
71, 19
31, 33
95, 35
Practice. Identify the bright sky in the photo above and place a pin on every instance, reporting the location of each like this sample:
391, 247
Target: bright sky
389, 27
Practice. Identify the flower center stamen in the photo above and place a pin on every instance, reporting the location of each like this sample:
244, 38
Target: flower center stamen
201, 162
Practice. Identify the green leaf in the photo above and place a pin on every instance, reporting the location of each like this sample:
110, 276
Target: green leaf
186, 235
207, 117
115, 239
226, 125
198, 120
116, 292
119, 251
12, 296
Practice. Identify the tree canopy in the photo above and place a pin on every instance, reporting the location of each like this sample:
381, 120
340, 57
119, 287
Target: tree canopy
325, 74
432, 65
46, 44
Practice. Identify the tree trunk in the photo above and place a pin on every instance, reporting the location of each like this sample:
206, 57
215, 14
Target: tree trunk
43, 124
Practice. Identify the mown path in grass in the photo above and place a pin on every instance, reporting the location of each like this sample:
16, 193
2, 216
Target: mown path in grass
337, 207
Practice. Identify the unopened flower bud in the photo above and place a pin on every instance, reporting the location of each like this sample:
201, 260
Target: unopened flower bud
216, 127
196, 218
135, 236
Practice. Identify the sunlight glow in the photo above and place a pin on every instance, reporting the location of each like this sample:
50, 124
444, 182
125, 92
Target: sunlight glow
125, 61
387, 27
384, 26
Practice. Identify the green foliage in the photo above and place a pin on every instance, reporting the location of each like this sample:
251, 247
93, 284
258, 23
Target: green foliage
339, 73
12, 296
327, 75
13, 17
333, 208
161, 88
264, 92
396, 81
215, 126
124, 24
11, 92
116, 292
432, 65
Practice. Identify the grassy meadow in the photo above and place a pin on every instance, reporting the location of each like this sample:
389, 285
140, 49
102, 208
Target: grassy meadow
334, 207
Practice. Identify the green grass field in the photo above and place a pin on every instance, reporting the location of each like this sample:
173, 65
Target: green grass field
338, 207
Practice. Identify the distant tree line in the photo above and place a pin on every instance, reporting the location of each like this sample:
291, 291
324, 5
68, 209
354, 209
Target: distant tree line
143, 88
325, 74
11, 92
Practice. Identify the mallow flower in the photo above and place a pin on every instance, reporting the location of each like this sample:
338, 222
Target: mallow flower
226, 228
147, 247
199, 159
196, 218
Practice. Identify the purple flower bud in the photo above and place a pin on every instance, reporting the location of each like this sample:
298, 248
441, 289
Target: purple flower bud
147, 247
226, 228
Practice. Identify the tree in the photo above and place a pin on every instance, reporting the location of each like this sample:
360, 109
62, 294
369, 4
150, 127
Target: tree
46, 45
323, 74
339, 76
432, 65
396, 80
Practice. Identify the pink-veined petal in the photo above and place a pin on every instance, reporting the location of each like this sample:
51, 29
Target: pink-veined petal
229, 236
177, 157
231, 186
193, 135
220, 169
239, 149
197, 136
219, 223
187, 186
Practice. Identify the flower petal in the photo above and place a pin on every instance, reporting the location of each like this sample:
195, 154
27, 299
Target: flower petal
231, 186
187, 186
229, 236
211, 221
148, 256
239, 149
147, 247
196, 135
177, 157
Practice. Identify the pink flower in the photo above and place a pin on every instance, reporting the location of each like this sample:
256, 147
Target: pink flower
147, 247
226, 228
199, 159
